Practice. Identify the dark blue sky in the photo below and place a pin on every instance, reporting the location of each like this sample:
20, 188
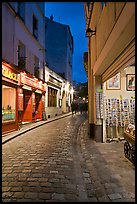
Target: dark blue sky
72, 14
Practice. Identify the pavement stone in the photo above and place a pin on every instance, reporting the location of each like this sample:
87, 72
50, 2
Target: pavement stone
58, 162
109, 169
25, 128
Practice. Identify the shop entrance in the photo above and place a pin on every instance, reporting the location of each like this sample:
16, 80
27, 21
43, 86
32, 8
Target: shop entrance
9, 108
27, 112
119, 104
38, 106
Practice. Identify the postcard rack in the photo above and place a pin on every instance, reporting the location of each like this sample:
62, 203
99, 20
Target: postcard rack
129, 145
119, 112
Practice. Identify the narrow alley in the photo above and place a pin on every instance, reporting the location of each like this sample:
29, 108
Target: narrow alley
58, 162
68, 101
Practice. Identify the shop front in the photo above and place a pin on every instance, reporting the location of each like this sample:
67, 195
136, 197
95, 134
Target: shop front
108, 99
119, 103
38, 105
10, 84
53, 96
32, 91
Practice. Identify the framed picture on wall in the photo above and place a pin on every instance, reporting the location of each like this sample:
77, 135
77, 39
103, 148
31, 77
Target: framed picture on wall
130, 82
114, 83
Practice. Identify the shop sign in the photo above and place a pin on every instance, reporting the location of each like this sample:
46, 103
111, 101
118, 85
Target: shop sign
38, 91
99, 90
9, 74
99, 105
33, 82
27, 87
55, 81
26, 80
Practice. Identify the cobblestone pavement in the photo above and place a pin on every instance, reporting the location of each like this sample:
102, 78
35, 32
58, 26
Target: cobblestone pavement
112, 175
57, 162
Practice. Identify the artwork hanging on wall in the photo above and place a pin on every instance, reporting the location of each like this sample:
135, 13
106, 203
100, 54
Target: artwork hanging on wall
114, 83
130, 82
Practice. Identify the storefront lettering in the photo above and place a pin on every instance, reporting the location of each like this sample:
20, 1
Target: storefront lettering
56, 82
33, 83
7, 73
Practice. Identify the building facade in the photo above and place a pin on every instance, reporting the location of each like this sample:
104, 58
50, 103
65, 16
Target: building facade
110, 28
59, 94
59, 48
23, 57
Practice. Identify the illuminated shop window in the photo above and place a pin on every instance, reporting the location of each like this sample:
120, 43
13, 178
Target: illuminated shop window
52, 97
8, 103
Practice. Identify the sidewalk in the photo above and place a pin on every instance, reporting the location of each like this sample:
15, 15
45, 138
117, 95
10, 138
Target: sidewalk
28, 127
111, 174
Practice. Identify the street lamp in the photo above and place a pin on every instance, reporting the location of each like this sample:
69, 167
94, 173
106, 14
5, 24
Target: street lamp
90, 32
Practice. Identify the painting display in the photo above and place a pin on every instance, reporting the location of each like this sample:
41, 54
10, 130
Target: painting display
114, 83
130, 82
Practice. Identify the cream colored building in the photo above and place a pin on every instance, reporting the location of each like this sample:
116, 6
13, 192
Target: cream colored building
59, 94
110, 28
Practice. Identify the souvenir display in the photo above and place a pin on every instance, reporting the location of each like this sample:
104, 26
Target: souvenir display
126, 111
99, 105
132, 111
129, 145
119, 112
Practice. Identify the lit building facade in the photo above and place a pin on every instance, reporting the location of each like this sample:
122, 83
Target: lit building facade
110, 28
59, 94
23, 57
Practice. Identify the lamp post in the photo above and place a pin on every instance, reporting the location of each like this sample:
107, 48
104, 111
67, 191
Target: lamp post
90, 32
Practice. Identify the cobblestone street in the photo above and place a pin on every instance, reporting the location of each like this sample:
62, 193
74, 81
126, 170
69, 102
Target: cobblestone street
58, 162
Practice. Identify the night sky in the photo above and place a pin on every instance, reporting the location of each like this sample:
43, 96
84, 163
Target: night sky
72, 14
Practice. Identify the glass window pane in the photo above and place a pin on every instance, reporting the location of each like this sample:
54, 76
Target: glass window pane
8, 103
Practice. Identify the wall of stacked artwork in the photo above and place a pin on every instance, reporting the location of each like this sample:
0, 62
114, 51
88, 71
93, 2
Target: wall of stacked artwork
119, 105
119, 112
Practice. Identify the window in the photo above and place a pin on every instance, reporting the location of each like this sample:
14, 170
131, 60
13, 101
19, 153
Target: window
35, 27
36, 66
8, 103
21, 10
52, 97
70, 59
21, 56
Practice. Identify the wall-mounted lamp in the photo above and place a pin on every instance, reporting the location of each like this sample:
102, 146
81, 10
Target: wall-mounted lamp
90, 32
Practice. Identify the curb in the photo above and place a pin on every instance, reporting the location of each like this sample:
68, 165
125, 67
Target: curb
5, 140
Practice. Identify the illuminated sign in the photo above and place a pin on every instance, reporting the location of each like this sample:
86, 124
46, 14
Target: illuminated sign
32, 82
9, 74
55, 81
